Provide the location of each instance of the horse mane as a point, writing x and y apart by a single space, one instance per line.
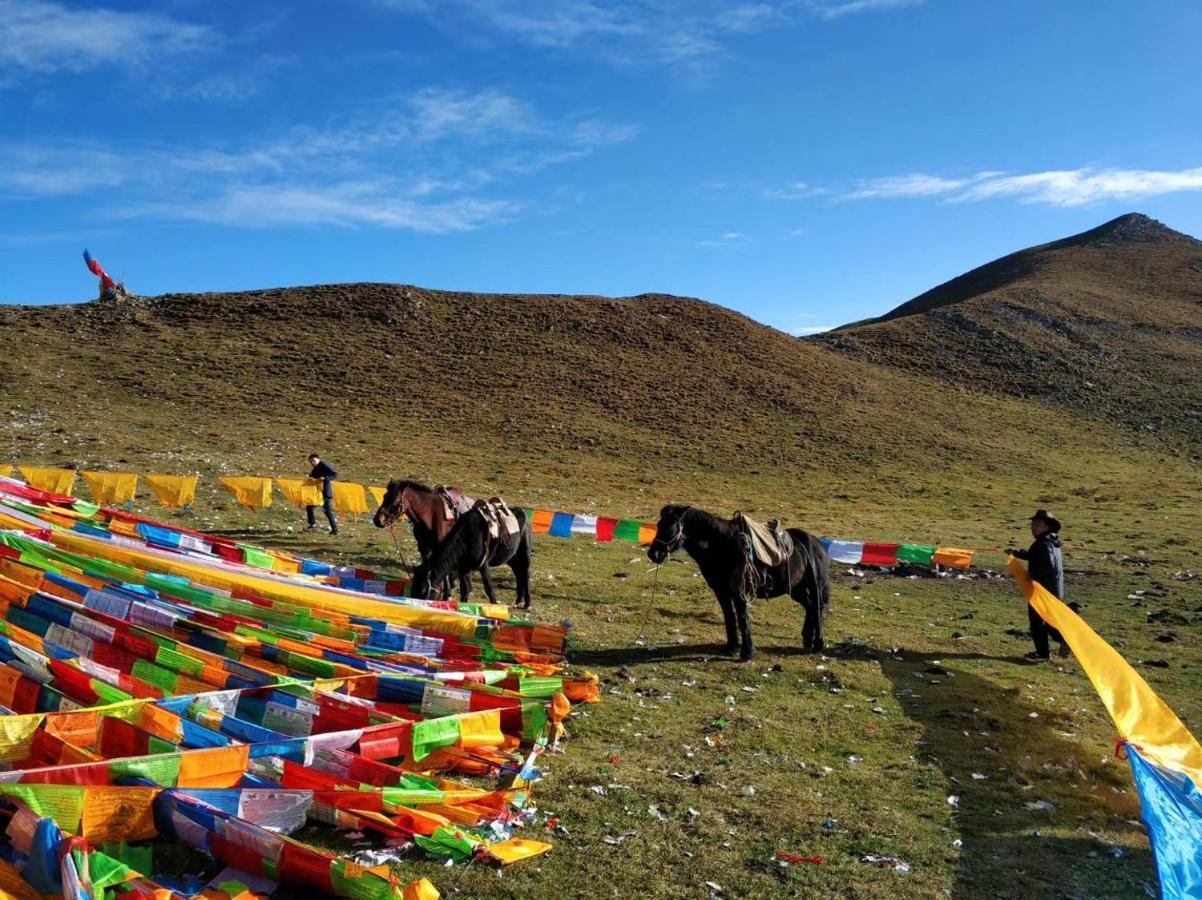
399 484
704 524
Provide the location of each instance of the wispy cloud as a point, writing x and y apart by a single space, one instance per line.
1065 188
726 239
837 9
43 37
416 165
796 190
670 32
805 330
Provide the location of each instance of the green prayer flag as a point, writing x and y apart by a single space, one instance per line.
915 554
363 886
432 734
444 842
627 530
162 770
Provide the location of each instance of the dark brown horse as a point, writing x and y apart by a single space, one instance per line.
722 556
427 513
470 547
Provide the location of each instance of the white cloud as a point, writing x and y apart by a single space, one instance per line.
670 32
837 9
810 329
797 190
42 37
1066 188
436 161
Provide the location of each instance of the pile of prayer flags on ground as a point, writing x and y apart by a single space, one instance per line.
1166 759
163 685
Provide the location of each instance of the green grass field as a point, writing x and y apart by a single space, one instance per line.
697 769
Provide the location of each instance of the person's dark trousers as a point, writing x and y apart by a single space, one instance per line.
1041 631
327 507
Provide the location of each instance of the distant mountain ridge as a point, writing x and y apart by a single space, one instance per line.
1106 323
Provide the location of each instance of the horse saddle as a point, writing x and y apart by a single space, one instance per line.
454 501
768 544
502 523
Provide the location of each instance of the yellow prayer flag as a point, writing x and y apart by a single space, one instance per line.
378 494
421 889
646 533
250 490
481 729
112 488
350 498
119 813
54 481
1141 717
173 491
300 492
516 849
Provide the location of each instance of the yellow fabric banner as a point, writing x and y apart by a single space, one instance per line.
300 492
377 494
112 488
646 533
173 491
1141 717
55 481
251 491
350 498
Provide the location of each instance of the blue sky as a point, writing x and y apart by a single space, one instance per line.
808 162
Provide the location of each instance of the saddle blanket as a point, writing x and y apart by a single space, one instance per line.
502 523
770 544
454 500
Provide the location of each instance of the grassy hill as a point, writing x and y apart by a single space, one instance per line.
918 427
1106 324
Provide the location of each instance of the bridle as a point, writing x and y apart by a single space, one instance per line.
391 515
675 541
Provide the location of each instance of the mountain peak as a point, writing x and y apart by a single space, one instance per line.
1131 228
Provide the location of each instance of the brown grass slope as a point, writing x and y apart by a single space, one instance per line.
545 397
1106 324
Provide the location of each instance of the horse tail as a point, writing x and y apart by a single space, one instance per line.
819 574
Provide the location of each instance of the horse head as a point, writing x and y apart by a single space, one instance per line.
393 506
669 533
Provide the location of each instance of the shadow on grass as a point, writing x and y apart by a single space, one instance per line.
633 656
975 725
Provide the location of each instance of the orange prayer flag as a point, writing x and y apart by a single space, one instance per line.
955 557
218 767
540 521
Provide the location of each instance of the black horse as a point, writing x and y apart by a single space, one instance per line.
469 546
717 546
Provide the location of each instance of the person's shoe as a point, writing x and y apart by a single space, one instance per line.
1065 652
334 532
1036 656
311 528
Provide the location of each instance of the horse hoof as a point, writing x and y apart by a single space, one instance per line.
744 657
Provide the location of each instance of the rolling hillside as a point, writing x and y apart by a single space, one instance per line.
631 401
1106 324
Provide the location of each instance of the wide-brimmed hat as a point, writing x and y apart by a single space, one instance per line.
1043 515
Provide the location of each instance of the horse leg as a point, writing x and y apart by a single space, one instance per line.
746 650
802 595
465 587
486 579
521 575
728 619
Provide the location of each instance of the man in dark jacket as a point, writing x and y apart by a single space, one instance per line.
323 472
1046 567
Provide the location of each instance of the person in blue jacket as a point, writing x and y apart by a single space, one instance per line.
1046 567
324 472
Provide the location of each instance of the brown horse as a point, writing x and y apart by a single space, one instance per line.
427 513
